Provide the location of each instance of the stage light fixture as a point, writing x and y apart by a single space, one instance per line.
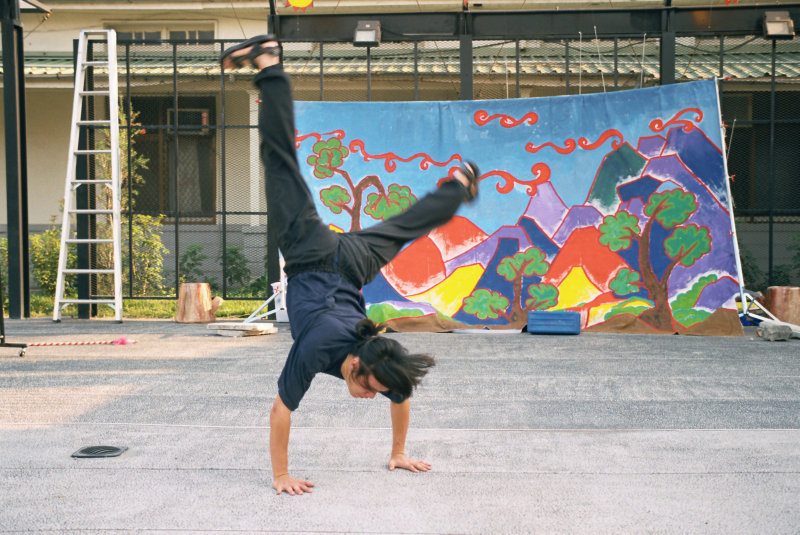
778 25
368 33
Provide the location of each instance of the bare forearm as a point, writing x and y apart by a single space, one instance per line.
280 423
400 418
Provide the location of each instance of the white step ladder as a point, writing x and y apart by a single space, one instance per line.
112 182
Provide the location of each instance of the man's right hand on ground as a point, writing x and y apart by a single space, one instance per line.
286 483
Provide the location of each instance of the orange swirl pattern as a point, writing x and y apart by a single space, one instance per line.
656 125
570 144
584 143
541 174
299 139
482 118
390 158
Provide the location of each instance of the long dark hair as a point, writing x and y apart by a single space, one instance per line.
391 363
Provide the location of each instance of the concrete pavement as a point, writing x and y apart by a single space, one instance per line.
597 433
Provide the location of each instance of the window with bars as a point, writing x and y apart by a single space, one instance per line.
180 178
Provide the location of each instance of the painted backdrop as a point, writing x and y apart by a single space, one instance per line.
615 205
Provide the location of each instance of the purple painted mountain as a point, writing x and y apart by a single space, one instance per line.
718 294
482 254
651 146
642 188
634 207
701 156
546 208
577 217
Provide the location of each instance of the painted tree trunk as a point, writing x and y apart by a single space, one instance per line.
660 316
358 198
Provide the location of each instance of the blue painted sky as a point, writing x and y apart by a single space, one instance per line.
442 129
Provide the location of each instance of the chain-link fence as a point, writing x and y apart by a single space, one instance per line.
193 199
763 136
194 204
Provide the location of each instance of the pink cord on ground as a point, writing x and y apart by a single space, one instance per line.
124 341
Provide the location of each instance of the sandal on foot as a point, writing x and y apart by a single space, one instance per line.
471 171
257 49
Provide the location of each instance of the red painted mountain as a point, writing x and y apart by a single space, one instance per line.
420 265
456 237
583 249
484 253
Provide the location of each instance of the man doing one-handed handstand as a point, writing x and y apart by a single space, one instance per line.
326 271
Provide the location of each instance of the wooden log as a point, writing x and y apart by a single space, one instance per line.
784 303
195 304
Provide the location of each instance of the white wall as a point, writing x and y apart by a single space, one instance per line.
49 100
57 32
48 117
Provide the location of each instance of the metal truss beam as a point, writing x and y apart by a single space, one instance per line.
609 23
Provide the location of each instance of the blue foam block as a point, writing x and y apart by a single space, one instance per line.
554 322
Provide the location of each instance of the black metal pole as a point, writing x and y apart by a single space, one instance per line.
667 49
16 173
416 70
369 75
465 53
772 166
176 182
91 190
16 161
81 194
129 110
566 64
3 342
667 58
517 56
321 71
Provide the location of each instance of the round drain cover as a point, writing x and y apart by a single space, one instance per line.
100 451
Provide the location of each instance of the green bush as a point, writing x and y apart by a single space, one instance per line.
147 263
44 250
754 277
189 263
795 246
237 274
259 286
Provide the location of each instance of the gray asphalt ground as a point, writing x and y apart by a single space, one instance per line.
596 433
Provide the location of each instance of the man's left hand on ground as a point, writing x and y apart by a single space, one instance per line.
413 465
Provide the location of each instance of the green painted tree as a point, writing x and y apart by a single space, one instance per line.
328 158
541 296
684 246
487 304
396 200
625 282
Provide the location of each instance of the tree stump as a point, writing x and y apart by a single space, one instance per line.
195 304
784 303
